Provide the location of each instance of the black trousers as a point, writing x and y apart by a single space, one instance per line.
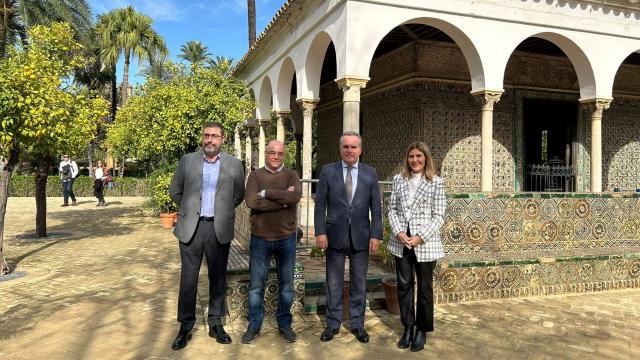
420 315
358 264
204 241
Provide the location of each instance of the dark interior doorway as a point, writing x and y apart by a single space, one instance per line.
549 144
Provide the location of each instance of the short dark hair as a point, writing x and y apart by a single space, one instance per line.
214 124
351 133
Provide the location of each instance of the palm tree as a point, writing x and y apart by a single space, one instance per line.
251 12
17 16
195 52
157 68
128 33
222 64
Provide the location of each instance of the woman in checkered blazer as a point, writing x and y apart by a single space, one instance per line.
416 214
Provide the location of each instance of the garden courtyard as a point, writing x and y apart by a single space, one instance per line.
104 285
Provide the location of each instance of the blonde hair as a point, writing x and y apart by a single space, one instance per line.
429 170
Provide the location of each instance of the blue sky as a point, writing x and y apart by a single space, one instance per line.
219 24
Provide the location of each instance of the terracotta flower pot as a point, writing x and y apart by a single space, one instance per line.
390 287
167 220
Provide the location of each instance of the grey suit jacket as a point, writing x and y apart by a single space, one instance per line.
186 191
335 217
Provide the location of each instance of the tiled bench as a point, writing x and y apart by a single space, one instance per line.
238 287
468 277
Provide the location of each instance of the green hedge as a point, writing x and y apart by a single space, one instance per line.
83 186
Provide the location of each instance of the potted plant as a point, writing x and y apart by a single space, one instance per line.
389 284
162 201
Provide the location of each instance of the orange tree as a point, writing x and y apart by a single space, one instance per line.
42 111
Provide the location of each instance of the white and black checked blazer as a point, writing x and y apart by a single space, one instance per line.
423 217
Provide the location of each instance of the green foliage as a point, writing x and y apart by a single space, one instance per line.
160 198
195 52
37 113
164 119
383 249
22 186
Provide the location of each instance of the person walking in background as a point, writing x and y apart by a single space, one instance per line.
98 184
416 214
272 194
207 186
346 192
68 172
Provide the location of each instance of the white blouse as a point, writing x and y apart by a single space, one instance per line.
414 184
98 173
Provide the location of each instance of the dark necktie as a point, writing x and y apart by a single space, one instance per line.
348 184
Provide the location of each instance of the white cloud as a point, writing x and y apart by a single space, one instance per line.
158 10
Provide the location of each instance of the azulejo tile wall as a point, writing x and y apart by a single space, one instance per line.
509 245
238 295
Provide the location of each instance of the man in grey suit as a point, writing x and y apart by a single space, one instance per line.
207 186
347 191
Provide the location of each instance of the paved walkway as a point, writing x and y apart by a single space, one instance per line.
104 286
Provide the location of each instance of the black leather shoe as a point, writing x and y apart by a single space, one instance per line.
361 335
418 341
181 340
328 333
288 334
221 336
406 338
250 335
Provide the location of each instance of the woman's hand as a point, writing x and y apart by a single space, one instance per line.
414 241
402 238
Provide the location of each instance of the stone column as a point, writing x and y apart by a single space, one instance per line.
280 125
351 102
595 108
307 203
487 99
237 143
248 150
262 123
298 154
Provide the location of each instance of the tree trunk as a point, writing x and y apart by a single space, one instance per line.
90 158
121 169
251 7
41 196
125 82
5 178
114 95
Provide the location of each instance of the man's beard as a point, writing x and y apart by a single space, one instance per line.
211 151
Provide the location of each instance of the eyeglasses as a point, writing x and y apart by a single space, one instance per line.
212 136
273 153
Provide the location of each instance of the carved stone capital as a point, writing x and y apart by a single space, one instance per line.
263 122
595 107
308 105
487 98
283 113
348 82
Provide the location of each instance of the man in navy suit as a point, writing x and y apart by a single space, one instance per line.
347 191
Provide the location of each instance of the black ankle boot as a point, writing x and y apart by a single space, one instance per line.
406 338
418 341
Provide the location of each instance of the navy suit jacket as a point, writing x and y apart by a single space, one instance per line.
334 216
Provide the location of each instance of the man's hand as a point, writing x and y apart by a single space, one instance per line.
373 246
322 242
290 188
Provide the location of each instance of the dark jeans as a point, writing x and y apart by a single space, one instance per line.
422 317
204 241
67 191
284 251
98 190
